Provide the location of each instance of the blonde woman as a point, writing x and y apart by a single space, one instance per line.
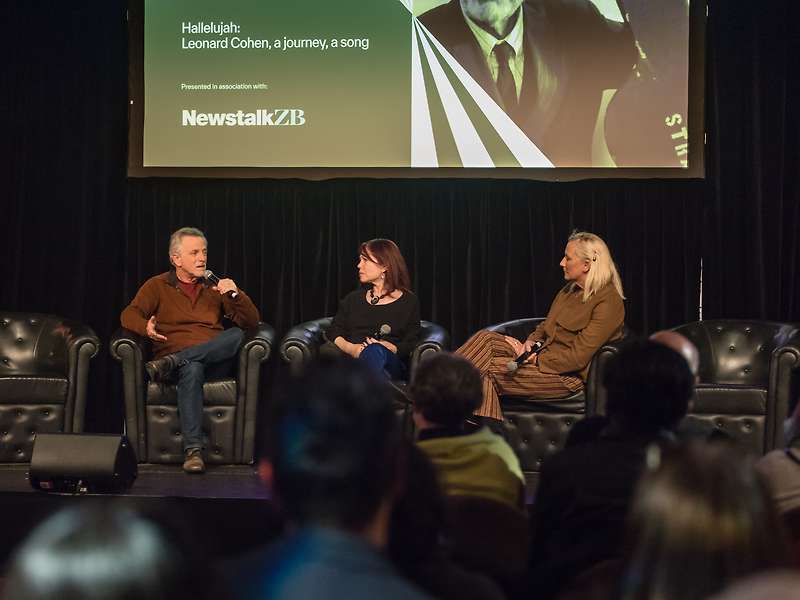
586 313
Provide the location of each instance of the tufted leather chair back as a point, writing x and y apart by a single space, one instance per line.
746 380
32 344
44 369
736 352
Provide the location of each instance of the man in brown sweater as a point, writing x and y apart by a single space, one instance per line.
181 312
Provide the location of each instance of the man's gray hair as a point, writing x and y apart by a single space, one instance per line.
176 238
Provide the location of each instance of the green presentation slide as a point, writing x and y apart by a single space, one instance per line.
404 83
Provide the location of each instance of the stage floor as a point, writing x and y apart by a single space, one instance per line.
227 508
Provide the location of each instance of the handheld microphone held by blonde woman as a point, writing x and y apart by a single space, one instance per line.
513 365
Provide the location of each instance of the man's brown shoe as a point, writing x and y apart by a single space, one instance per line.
194 461
161 368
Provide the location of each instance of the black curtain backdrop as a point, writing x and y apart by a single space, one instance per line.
80 237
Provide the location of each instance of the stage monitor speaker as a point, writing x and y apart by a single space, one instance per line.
82 463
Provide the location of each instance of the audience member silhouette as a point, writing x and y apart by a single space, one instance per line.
104 553
701 518
585 490
418 539
445 391
333 462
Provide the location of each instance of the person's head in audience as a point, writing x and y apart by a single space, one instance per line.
331 453
681 344
649 387
102 553
701 518
445 391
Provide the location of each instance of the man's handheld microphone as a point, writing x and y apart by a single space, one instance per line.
513 365
209 274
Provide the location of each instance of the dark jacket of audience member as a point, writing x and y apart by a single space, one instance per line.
417 537
333 457
702 518
585 490
105 553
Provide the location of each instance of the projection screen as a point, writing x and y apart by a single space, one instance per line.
545 89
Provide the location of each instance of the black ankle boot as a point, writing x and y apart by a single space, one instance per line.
161 368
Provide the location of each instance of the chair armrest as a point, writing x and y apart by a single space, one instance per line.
126 343
81 338
783 383
257 342
517 328
596 395
301 344
130 349
432 338
255 350
82 344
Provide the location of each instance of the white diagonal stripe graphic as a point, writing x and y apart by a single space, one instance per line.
423 145
523 149
468 143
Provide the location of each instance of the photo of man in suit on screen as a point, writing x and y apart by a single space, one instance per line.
552 65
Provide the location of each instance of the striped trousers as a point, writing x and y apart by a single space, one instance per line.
490 353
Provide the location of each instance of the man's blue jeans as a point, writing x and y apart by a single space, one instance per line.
210 360
382 360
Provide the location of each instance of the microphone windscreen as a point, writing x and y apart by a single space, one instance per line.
386 329
209 274
512 366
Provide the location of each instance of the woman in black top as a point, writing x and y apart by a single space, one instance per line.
382 300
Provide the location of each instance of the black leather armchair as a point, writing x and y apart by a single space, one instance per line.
301 344
44 372
538 428
746 380
229 405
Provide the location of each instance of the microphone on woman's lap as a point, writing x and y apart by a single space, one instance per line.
383 330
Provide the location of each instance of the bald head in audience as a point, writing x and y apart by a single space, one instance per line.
680 344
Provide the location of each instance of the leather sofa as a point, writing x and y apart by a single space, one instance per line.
44 373
538 428
229 404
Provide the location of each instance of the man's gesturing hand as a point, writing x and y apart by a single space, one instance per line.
151 330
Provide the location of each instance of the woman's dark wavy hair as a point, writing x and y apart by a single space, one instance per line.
387 254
